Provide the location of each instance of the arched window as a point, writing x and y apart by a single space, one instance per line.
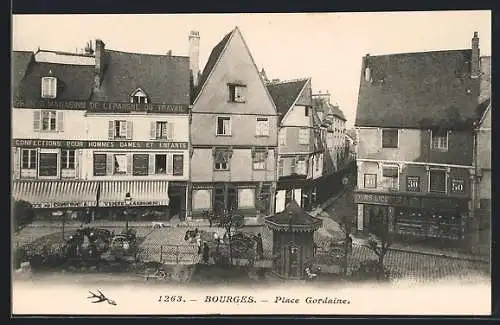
139 96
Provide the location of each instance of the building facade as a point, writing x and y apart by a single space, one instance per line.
334 121
108 130
414 125
482 161
138 131
300 147
50 94
233 133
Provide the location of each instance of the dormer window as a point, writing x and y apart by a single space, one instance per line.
49 87
139 97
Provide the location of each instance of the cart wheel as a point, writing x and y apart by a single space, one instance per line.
162 275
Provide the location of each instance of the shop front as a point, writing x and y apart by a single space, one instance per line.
412 216
249 199
135 200
53 199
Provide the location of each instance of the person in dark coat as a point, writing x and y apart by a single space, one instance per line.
349 244
260 247
206 253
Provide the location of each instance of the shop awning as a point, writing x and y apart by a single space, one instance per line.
56 194
142 193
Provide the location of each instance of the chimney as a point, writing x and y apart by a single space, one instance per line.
368 71
475 70
264 75
194 56
99 63
276 80
169 53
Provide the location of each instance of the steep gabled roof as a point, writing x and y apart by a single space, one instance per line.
164 78
20 63
212 60
418 90
285 94
74 82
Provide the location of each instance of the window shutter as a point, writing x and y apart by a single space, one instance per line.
170 164
130 162
152 130
111 130
60 121
36 120
77 160
17 162
151 168
170 130
229 127
130 130
109 164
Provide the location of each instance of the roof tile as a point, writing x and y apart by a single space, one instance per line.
418 90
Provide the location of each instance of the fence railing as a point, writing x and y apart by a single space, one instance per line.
171 254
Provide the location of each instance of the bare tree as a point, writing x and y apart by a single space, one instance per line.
347 225
231 221
380 242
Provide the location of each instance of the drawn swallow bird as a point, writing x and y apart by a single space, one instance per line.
100 298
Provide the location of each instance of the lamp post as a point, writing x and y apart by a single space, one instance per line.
128 201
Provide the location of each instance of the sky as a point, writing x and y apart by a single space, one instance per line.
328 47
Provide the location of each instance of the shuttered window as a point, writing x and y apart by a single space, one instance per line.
390 177
49 87
120 164
28 160
390 138
161 164
48 164
259 158
262 127
437 181
221 159
99 164
178 165
68 159
303 136
223 125
120 129
140 164
439 140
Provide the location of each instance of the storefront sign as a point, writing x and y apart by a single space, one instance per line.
58 205
130 107
103 107
48 103
131 203
373 198
84 144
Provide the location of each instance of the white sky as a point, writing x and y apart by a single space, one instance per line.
325 46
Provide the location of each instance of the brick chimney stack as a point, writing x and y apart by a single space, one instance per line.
475 68
194 55
99 63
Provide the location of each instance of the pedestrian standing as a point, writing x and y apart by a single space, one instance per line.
198 242
210 220
349 244
206 253
260 247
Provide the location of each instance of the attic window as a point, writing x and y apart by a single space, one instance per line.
139 97
237 93
49 87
